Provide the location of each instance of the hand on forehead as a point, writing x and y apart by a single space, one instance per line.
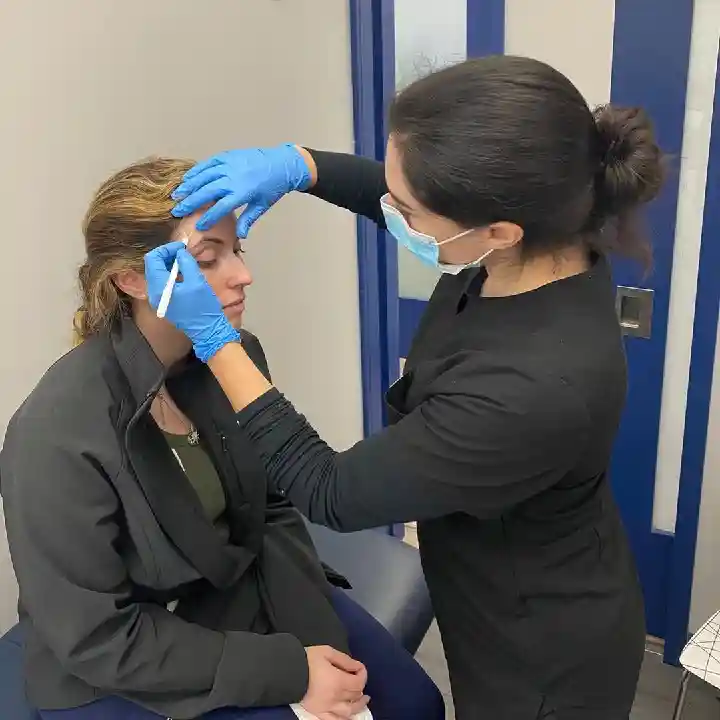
222 232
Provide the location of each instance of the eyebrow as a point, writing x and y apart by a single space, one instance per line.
212 239
201 243
399 203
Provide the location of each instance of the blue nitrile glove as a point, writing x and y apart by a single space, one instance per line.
194 307
256 177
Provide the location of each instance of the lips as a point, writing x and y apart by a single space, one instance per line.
237 305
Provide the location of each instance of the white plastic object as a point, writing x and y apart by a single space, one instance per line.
303 714
169 285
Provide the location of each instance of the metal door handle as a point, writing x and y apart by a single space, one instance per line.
634 308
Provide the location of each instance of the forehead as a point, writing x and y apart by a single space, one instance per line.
395 178
224 229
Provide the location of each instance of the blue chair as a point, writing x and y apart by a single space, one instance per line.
386 577
385 574
13 705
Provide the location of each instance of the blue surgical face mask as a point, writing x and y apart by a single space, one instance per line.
425 247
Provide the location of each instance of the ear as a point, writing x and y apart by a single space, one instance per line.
504 235
132 283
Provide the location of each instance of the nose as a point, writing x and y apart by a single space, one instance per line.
241 275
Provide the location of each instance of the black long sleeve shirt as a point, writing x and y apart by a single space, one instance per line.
503 427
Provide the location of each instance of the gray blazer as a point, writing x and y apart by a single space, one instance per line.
105 531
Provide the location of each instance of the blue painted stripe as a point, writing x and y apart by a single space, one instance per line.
388 250
387 246
650 69
697 413
372 34
368 81
485 27
653 566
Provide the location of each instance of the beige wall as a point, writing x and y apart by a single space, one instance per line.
89 86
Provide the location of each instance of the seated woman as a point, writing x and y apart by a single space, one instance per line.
157 577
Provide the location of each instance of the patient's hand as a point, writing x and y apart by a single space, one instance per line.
336 684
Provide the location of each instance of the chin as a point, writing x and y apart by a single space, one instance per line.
236 321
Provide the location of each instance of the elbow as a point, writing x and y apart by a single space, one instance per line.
333 511
318 482
328 505
321 516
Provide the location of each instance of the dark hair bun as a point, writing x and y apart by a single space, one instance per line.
631 163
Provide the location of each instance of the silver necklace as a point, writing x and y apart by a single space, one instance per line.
193 436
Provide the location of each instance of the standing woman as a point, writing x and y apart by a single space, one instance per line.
498 174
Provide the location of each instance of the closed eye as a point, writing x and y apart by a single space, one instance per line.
208 256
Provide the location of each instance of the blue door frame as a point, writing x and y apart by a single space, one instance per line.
648 69
372 42
697 412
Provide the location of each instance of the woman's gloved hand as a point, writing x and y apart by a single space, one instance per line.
256 178
194 307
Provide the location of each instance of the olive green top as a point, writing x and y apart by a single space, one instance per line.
201 473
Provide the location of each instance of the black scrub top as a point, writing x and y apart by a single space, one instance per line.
503 425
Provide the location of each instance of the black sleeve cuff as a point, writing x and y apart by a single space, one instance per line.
262 670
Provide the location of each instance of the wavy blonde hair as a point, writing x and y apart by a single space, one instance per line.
129 215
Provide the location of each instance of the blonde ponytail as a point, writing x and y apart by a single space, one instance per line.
79 320
129 215
102 302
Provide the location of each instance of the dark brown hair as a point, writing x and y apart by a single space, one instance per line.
505 138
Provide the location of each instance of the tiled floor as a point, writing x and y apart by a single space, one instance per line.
656 692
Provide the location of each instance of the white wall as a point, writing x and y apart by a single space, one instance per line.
90 86
574 37
706 585
693 174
